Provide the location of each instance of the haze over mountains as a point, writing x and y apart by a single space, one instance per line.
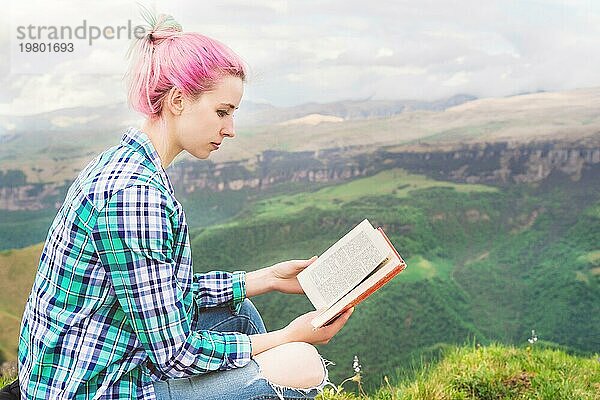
58 140
249 114
50 147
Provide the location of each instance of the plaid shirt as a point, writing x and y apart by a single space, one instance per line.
115 302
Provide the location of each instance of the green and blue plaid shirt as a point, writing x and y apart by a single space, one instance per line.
115 302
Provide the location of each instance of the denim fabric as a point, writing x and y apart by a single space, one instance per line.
236 384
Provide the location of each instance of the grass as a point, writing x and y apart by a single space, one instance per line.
396 182
422 268
5 380
17 272
592 258
593 211
23 228
490 372
464 133
468 274
493 372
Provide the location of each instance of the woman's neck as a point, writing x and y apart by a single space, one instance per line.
162 139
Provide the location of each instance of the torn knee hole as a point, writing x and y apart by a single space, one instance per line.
280 389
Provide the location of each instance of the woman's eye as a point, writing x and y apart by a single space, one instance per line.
222 113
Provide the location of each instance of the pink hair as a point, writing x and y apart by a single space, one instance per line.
166 57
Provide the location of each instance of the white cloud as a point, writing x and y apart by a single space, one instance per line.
384 52
458 79
42 93
301 51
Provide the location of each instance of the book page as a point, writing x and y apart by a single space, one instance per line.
370 284
343 265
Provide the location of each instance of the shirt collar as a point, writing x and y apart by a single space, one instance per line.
139 141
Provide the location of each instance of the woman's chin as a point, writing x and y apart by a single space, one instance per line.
201 155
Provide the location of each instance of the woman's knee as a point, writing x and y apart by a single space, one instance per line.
295 365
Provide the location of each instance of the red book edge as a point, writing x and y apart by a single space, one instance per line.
388 277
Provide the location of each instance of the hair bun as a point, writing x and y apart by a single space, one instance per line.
165 23
159 26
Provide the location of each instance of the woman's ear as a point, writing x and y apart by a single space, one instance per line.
174 101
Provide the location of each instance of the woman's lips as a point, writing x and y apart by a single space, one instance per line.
215 145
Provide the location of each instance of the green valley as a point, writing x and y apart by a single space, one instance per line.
487 263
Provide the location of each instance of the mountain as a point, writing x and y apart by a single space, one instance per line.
570 116
108 117
26 209
346 110
494 204
312 119
47 153
53 146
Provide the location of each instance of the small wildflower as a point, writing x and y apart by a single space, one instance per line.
357 377
533 337
356 365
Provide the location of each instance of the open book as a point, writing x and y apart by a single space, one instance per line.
350 271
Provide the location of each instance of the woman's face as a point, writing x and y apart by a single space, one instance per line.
204 123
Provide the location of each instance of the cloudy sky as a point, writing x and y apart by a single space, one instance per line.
320 51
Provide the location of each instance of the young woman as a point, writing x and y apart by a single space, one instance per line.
116 311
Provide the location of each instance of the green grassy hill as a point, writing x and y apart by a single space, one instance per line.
17 272
484 263
22 228
492 372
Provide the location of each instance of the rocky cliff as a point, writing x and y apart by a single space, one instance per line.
494 163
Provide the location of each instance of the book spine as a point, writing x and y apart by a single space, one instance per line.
378 285
364 295
392 246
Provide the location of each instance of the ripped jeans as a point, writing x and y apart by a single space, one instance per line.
240 383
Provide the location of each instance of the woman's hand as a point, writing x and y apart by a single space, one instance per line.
284 275
300 329
281 277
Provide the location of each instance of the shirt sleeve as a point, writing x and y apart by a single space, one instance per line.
133 237
217 287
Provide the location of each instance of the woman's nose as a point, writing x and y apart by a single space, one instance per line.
228 130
